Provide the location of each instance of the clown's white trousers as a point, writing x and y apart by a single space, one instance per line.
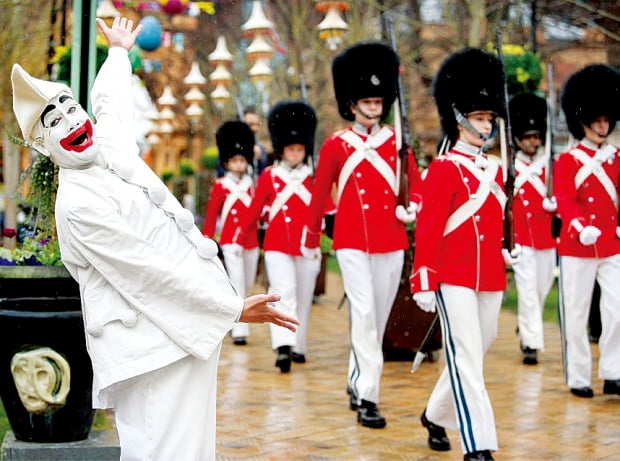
169 413
577 276
294 279
241 270
459 399
371 284
533 278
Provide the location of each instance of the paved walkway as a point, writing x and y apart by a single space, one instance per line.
304 415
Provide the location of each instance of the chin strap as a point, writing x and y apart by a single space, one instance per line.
462 120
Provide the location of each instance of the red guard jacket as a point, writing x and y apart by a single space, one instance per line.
365 171
532 224
284 194
459 230
586 188
230 200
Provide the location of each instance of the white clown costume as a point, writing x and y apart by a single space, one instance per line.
156 300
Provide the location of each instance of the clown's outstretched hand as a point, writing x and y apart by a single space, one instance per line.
121 33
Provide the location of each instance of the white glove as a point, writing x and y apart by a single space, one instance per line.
425 300
311 253
234 249
618 231
589 235
550 204
512 257
407 215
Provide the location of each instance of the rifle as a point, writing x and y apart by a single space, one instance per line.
556 221
550 127
508 151
401 123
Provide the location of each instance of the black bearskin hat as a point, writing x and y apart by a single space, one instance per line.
365 70
235 138
292 122
528 113
470 80
591 92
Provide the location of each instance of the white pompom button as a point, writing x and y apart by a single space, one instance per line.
129 318
206 248
157 193
184 219
94 328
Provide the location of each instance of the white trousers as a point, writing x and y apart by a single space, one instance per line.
577 276
169 413
371 284
533 278
241 270
459 399
294 279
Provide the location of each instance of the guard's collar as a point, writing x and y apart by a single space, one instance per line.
365 131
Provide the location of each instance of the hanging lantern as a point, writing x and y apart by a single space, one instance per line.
324 5
195 77
194 95
259 49
167 98
220 76
194 111
149 39
260 72
257 22
107 10
219 96
221 53
166 114
332 28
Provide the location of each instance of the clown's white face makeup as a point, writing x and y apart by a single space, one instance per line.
68 133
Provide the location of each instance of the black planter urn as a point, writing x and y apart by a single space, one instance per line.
45 371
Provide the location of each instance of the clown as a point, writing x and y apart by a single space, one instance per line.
156 300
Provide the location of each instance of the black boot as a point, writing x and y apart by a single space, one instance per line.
284 359
437 437
530 356
611 386
368 415
483 455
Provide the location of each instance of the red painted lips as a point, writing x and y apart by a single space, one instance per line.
79 139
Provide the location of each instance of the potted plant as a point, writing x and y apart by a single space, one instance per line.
45 371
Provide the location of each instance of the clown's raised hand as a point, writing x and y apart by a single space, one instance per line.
121 33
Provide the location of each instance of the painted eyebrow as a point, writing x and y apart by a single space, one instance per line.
47 109
51 107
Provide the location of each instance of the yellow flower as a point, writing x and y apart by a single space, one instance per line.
516 50
522 75
59 52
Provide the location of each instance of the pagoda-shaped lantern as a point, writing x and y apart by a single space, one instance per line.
259 51
332 28
222 59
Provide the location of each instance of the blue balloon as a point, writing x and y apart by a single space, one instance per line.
150 37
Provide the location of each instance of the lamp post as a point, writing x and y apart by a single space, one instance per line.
332 28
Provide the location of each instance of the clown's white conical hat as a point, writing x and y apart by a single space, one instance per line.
30 96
